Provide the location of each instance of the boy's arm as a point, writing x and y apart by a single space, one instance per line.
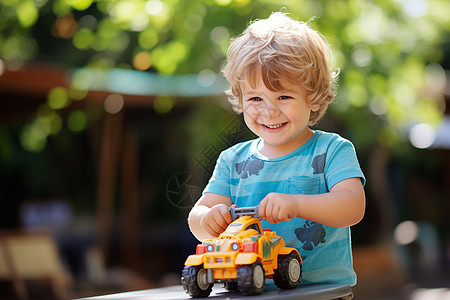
343 206
210 216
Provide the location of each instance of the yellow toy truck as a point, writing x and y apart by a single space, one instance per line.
242 257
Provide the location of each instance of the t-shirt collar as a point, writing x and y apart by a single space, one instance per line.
257 154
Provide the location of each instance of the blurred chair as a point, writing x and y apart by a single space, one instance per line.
419 246
378 268
25 256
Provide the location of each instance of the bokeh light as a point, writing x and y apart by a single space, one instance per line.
435 77
65 26
83 39
33 138
142 61
361 56
406 232
147 39
379 105
206 78
76 94
223 2
220 35
113 103
193 23
77 120
79 4
422 135
166 58
415 8
88 21
82 79
58 98
156 7
163 104
139 22
27 13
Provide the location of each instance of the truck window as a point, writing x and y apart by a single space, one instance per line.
255 227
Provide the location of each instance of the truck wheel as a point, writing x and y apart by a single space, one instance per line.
251 279
231 285
195 281
289 271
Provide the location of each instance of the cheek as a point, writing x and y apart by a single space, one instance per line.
250 112
250 118
296 114
251 123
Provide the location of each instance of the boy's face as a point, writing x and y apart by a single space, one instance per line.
280 118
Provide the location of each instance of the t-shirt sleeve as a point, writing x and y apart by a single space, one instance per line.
219 183
342 163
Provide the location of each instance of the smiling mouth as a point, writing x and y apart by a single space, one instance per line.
275 126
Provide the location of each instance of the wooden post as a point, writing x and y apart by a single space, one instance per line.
107 179
129 202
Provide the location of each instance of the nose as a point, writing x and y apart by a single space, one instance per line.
269 109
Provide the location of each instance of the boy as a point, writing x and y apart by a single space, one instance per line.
308 184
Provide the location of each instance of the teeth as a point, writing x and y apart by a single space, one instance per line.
275 126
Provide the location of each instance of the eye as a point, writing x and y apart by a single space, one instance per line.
285 97
255 99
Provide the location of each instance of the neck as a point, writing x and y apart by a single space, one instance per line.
276 151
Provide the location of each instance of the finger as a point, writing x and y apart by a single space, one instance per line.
226 215
208 224
211 231
210 227
269 212
219 219
276 213
229 218
283 215
262 209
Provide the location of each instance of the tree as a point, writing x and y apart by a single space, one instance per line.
388 51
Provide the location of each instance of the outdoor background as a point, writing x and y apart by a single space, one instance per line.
112 115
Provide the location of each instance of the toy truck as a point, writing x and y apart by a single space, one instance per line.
242 257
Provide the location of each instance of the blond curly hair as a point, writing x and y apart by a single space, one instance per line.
282 49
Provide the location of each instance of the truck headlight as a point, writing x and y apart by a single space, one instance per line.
234 246
210 247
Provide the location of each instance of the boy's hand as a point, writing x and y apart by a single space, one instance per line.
216 220
276 208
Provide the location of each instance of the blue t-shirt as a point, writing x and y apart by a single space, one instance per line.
246 176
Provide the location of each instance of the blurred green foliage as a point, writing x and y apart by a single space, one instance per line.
388 51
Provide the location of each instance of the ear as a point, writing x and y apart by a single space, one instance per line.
314 107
